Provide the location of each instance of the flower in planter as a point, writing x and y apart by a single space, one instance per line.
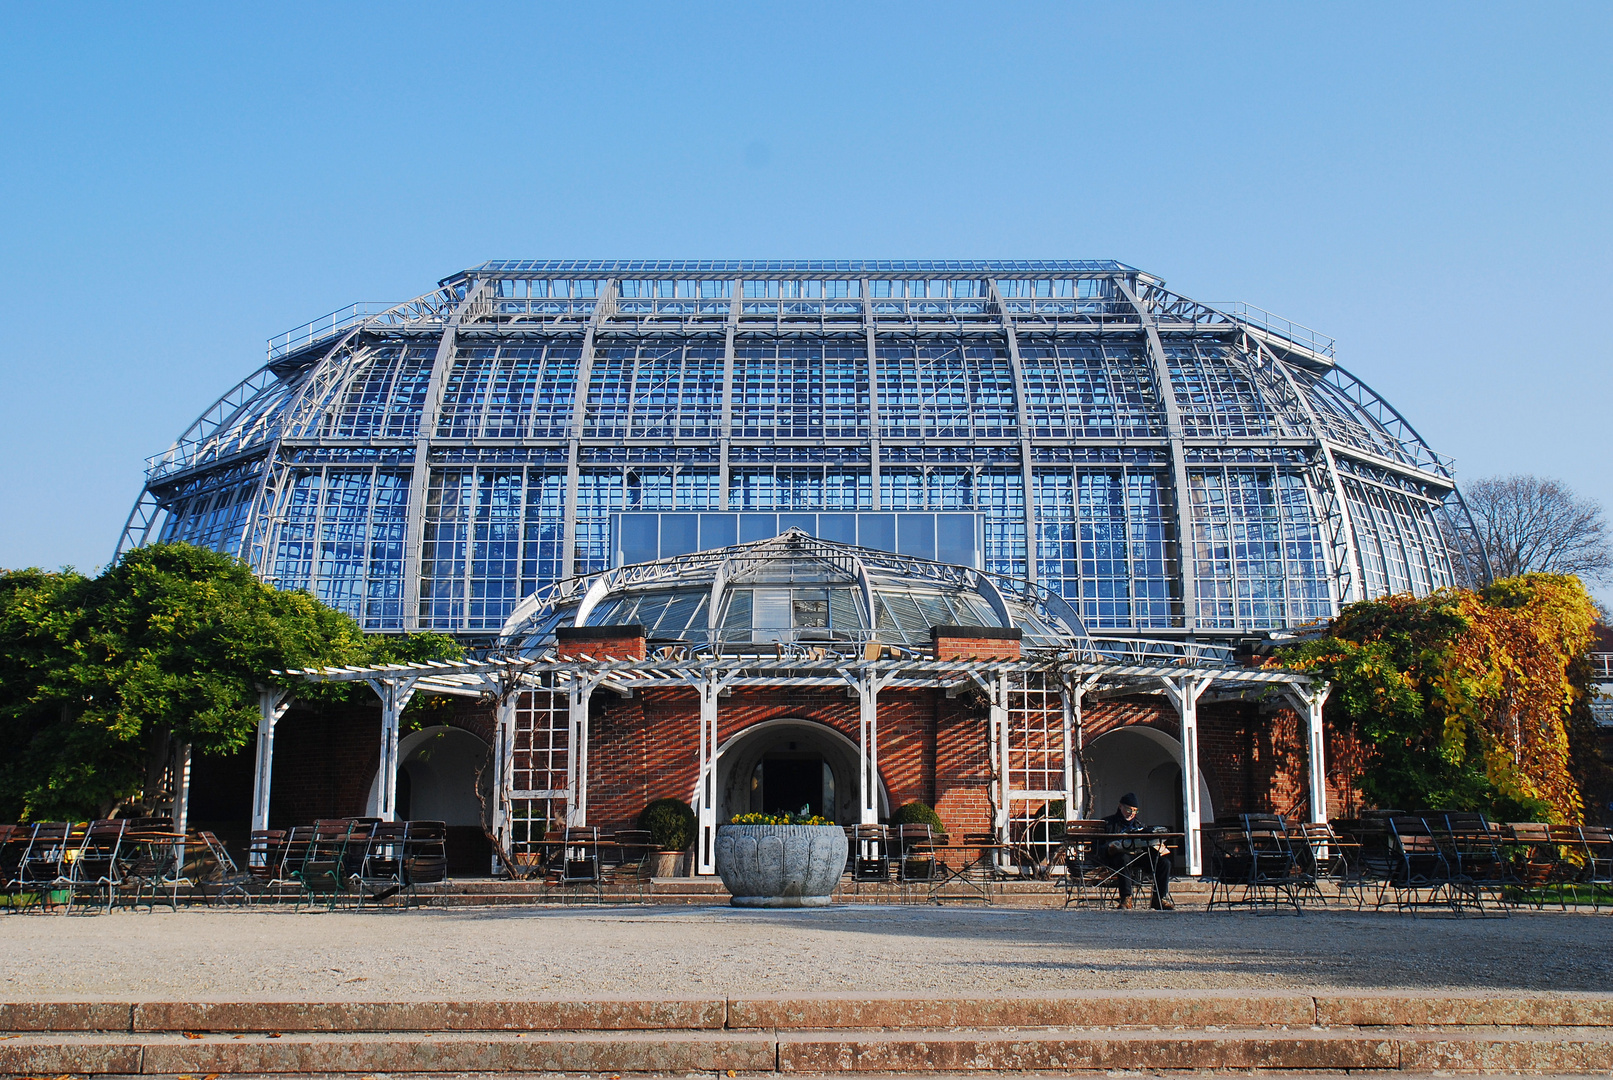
786 818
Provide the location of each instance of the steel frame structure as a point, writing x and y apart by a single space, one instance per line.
1022 748
427 465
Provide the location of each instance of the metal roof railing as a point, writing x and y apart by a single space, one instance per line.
1299 334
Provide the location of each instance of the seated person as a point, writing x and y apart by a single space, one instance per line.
1126 855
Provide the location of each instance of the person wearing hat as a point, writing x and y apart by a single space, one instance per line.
1123 855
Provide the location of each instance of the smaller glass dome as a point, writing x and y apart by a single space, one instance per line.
794 589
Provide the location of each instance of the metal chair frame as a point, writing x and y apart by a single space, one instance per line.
380 860
39 872
95 867
1538 862
1085 868
232 882
322 871
1252 854
13 843
425 856
1420 864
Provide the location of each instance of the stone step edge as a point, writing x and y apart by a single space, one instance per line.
803 1053
1161 1009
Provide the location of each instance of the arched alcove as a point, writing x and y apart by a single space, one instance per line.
791 753
1145 762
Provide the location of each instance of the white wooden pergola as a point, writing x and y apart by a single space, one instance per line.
1041 693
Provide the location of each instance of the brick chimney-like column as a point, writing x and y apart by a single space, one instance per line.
599 642
976 642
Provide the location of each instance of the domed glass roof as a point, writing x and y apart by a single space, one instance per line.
794 589
1169 468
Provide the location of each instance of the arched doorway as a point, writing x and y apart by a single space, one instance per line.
437 769
783 764
1146 762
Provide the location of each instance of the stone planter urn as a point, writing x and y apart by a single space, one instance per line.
780 865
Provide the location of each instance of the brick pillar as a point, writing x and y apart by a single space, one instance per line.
599 642
976 642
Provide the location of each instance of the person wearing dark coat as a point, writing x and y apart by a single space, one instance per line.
1118 853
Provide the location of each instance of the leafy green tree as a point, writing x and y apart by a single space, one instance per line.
99 677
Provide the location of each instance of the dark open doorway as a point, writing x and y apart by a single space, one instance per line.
790 782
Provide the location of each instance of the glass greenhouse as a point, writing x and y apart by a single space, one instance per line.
1164 467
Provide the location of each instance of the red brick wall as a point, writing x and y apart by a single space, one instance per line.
962 648
613 648
646 747
324 762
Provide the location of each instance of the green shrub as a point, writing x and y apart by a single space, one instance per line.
670 822
917 813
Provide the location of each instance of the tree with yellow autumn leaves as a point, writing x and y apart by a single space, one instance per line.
1464 699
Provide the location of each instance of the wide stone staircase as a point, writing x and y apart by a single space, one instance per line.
1155 1032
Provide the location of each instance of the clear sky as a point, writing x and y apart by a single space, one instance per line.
1429 184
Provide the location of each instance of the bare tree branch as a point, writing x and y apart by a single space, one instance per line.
1527 523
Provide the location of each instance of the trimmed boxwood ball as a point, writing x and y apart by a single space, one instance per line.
670 823
917 813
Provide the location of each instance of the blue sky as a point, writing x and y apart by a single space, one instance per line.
1427 183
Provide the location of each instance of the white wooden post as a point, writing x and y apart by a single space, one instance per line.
868 752
272 705
394 692
999 755
1184 694
503 762
1308 702
581 689
710 689
181 809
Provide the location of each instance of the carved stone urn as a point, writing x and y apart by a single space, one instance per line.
780 865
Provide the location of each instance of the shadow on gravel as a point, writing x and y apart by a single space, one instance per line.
1344 950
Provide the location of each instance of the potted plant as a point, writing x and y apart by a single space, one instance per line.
780 860
671 825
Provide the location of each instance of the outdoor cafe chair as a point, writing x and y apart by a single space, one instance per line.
1087 873
228 880
1321 854
322 873
577 864
1539 862
151 860
380 859
425 855
293 852
1570 841
44 869
625 858
912 850
265 855
13 842
870 855
94 866
1420 866
1250 862
1473 851
1598 863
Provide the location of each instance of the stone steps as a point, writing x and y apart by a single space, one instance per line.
819 1035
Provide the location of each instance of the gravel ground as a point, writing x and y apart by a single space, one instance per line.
507 954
